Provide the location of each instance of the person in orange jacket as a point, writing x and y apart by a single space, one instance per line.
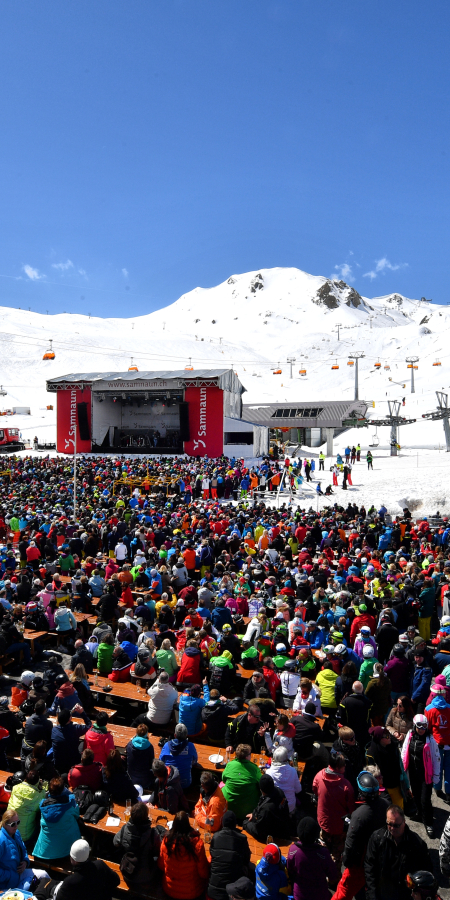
183 861
211 803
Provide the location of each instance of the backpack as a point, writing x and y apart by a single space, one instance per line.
84 797
215 680
130 861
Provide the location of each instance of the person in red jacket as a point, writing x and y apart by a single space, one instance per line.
191 665
362 619
272 679
335 800
99 739
88 772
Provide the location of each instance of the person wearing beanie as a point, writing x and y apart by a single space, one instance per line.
310 867
91 879
270 874
230 858
271 814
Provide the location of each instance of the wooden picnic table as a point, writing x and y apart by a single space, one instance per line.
33 636
125 690
161 817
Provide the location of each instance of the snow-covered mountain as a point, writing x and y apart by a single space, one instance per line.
253 322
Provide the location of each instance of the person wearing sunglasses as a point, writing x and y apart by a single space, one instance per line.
392 852
421 760
15 866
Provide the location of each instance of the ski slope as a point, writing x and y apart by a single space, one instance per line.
252 322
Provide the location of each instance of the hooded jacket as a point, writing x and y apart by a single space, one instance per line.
66 698
221 669
230 856
210 807
162 700
215 715
270 878
169 795
181 754
308 869
140 755
65 740
12 853
438 718
184 876
104 658
25 799
190 710
100 741
142 843
59 826
336 799
270 816
190 669
325 680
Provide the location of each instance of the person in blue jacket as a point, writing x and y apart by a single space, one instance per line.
181 753
271 874
420 681
59 822
221 615
15 867
190 708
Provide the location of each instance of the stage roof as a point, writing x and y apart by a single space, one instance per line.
225 379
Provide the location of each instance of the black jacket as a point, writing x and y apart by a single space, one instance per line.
139 766
92 880
354 711
239 731
230 856
120 787
307 731
142 843
387 864
386 637
270 816
215 716
38 728
84 656
366 819
354 764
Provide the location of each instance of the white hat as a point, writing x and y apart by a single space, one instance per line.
27 677
79 851
280 647
445 620
340 648
368 651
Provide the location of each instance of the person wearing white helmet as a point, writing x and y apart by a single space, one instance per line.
367 665
363 639
422 762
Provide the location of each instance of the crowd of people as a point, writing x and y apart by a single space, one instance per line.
312 646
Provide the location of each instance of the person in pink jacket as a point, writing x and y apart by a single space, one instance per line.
98 739
335 799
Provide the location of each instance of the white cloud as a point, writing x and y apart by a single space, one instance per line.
125 273
33 274
63 266
344 270
381 265
82 271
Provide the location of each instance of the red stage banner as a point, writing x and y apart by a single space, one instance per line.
205 421
67 420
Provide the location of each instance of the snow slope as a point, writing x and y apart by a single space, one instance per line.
253 322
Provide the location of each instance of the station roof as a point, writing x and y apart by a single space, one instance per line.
304 414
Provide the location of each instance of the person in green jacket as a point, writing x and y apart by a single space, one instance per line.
325 681
25 799
281 656
66 562
249 655
241 779
105 655
367 666
167 659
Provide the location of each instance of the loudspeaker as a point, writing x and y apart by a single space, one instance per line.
184 421
83 422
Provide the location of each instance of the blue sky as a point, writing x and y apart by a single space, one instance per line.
150 147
